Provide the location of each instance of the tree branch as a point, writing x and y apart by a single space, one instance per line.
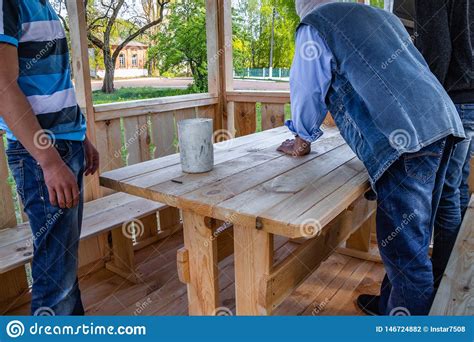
141 30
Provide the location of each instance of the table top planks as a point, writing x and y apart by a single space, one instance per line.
252 182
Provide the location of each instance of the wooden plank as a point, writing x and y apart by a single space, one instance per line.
259 96
118 110
360 240
169 219
210 113
286 187
137 139
109 144
245 118
304 295
16 245
203 288
163 134
372 255
225 241
273 115
456 292
226 189
295 269
82 81
14 290
7 207
123 261
184 114
253 255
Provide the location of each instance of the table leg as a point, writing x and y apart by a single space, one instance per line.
360 240
253 255
201 247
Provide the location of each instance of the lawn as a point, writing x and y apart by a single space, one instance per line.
140 93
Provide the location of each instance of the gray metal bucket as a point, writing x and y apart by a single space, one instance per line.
195 145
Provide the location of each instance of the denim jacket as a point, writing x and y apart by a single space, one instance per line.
383 96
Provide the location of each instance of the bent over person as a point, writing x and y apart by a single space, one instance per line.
47 147
359 63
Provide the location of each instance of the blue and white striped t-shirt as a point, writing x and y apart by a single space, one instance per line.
45 74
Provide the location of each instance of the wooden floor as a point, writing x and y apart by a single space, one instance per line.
331 290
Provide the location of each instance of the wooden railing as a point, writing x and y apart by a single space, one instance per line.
273 109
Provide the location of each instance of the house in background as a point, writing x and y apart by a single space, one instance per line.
130 62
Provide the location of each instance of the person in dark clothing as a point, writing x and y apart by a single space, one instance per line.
445 37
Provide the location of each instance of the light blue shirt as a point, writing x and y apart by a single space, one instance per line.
310 79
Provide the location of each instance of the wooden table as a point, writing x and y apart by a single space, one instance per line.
252 194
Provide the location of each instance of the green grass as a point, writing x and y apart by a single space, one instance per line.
140 93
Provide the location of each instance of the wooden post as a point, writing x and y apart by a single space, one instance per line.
201 272
219 58
80 64
253 255
7 208
360 240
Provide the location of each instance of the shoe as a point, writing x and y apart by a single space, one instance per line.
369 304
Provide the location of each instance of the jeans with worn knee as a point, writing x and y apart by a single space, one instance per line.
408 196
55 231
455 196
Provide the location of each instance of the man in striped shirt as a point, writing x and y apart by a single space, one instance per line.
48 151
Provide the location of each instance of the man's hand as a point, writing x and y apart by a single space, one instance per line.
62 184
296 147
92 158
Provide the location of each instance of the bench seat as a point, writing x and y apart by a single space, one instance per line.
455 296
101 215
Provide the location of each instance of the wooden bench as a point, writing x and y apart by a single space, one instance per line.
455 296
127 217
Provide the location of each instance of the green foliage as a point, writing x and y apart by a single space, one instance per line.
252 30
139 93
181 42
377 3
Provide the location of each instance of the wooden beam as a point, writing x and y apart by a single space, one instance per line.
227 63
7 208
253 263
112 111
295 269
259 96
360 240
14 290
80 63
202 276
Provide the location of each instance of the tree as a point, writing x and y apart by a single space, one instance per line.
252 29
106 17
181 41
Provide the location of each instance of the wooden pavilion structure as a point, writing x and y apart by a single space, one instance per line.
137 274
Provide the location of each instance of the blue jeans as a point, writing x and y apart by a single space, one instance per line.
466 112
455 196
56 232
408 197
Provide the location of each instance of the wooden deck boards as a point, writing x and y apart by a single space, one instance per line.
330 290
